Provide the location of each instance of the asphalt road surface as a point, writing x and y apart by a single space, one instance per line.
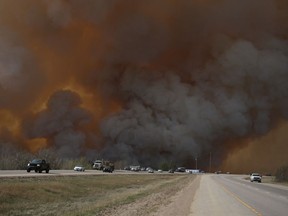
24 173
234 196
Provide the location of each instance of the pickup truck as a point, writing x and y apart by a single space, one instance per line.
255 177
38 165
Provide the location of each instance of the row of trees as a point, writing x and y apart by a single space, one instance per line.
12 158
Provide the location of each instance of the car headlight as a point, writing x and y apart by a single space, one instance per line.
28 164
38 165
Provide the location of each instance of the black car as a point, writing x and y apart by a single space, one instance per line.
38 165
180 169
108 169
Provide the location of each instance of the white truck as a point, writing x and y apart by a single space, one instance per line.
255 177
98 165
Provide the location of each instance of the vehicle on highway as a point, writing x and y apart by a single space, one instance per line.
171 171
255 177
79 168
100 164
150 171
135 168
180 169
97 164
38 165
108 168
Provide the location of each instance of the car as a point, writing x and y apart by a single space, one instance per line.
38 165
171 171
135 168
180 169
79 168
150 171
255 177
108 169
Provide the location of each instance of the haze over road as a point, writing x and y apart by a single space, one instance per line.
232 195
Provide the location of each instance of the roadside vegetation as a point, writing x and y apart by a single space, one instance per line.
282 174
83 195
12 158
16 159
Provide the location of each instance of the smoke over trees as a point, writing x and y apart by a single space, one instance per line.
146 82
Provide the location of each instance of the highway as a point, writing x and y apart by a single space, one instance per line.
24 173
236 196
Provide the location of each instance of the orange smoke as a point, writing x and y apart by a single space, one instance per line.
265 154
153 81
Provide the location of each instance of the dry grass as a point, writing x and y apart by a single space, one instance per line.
79 195
272 180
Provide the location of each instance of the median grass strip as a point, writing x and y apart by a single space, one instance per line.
78 195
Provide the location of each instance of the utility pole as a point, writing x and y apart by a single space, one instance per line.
210 163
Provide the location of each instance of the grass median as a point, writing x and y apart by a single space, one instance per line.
80 195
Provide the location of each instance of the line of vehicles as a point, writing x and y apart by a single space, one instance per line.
40 165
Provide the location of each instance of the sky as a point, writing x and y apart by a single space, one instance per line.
147 82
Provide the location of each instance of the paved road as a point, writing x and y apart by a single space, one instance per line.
24 173
233 195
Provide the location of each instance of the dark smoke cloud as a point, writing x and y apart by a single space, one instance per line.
159 81
60 123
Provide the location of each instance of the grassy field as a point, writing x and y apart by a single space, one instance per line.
80 195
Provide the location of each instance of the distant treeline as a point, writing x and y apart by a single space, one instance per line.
15 159
282 174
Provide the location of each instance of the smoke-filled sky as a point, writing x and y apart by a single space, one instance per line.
145 81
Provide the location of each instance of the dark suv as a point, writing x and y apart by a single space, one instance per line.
180 169
38 165
108 169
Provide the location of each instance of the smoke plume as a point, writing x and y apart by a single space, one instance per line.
143 82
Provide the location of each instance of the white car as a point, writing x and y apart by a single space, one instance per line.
255 177
79 168
150 171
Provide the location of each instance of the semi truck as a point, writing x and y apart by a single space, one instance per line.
104 165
